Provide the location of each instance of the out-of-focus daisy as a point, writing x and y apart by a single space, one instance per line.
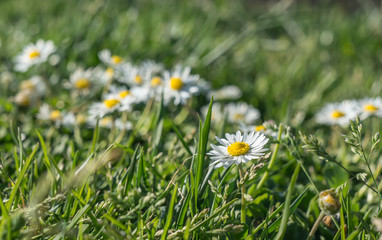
238 148
230 92
179 85
369 107
241 113
110 60
84 80
216 112
127 97
45 113
35 85
105 107
34 54
109 122
71 119
337 113
268 128
25 98
139 75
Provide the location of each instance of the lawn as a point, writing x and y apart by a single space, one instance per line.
190 120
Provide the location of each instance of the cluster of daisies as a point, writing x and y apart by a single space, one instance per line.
119 85
342 112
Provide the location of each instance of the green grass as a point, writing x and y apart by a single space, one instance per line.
153 182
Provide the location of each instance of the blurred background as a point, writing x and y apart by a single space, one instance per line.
288 57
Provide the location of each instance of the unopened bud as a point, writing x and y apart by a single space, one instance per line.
329 202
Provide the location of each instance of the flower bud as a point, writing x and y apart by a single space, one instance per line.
329 202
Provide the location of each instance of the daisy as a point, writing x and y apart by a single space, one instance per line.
109 105
268 128
147 73
125 96
71 119
369 107
242 113
24 98
35 86
238 148
230 92
34 54
337 113
84 80
179 85
45 113
108 122
110 60
216 112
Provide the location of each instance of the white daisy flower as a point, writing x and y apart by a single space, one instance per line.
35 85
84 80
25 98
241 113
337 113
110 60
216 112
34 54
238 148
179 85
109 122
369 107
230 92
45 113
127 97
268 128
109 105
138 75
71 119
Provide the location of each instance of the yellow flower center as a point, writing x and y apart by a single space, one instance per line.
124 93
105 121
138 79
116 59
238 116
370 108
337 114
34 54
259 128
156 81
81 119
82 83
109 103
27 85
176 83
328 199
110 72
238 148
55 115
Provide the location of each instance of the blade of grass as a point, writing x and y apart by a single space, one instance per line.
170 213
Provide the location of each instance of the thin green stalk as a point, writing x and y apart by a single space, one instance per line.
284 220
272 161
315 226
243 202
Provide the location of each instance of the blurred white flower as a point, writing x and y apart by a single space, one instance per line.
35 85
337 113
84 80
230 92
107 106
45 113
369 107
34 54
179 85
110 60
268 128
216 112
238 148
241 113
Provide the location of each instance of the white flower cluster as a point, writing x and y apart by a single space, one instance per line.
342 112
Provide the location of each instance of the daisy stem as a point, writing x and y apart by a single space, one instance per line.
272 161
315 226
243 207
